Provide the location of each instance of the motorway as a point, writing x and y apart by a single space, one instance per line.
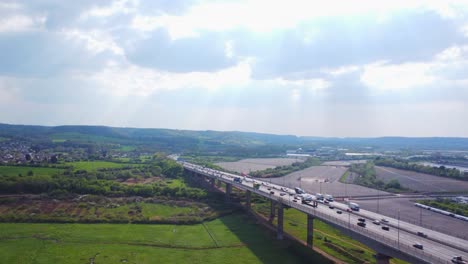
438 247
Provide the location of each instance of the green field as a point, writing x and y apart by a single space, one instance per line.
74 136
23 170
231 239
94 165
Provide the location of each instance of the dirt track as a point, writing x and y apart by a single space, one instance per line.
324 179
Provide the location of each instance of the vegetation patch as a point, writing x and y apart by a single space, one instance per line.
287 169
98 209
447 205
368 177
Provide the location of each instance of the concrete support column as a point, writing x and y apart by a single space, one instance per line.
228 192
218 183
248 197
272 210
382 259
212 181
279 227
310 230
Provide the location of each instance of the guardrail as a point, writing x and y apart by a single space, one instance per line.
389 242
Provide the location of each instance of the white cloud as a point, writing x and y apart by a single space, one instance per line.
119 6
95 41
313 83
16 23
133 80
229 49
341 70
384 76
264 15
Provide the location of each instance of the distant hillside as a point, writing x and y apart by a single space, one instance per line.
396 143
164 139
217 141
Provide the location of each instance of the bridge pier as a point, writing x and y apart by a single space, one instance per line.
212 182
218 183
248 197
272 211
310 230
279 226
228 192
382 258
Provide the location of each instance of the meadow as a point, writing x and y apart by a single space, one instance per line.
229 239
91 166
24 170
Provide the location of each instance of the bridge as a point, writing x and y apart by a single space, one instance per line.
397 242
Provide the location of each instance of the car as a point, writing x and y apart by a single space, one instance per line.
272 192
295 200
339 212
282 194
348 210
331 207
269 189
361 224
421 234
361 220
458 260
386 228
376 222
326 202
383 220
418 246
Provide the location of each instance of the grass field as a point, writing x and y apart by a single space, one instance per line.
231 239
23 170
94 165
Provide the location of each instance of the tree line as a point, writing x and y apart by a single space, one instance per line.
104 182
368 177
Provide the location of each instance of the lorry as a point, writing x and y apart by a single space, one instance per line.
354 206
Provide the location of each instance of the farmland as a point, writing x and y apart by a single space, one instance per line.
248 165
230 239
421 182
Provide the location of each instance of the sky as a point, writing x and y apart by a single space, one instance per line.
309 68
